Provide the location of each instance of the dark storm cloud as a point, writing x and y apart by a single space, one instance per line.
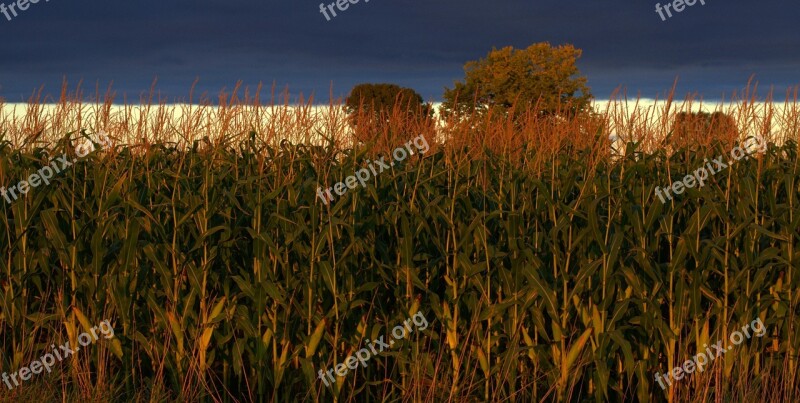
713 48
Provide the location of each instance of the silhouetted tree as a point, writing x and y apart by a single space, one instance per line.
703 128
380 113
381 99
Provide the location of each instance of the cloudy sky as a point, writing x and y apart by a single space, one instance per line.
713 49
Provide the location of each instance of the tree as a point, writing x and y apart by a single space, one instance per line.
541 76
380 100
380 113
703 128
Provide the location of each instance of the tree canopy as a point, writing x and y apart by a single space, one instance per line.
380 99
703 127
541 75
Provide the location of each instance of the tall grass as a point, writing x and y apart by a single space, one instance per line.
535 246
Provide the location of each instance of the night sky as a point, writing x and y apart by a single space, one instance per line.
713 48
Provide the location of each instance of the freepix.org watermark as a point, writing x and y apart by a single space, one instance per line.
363 174
342 5
699 361
10 11
700 175
45 173
364 355
47 361
677 5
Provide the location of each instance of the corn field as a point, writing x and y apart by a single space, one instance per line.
548 270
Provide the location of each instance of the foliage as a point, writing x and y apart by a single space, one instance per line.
375 108
574 283
380 99
540 76
703 128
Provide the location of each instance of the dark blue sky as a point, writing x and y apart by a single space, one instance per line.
713 48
